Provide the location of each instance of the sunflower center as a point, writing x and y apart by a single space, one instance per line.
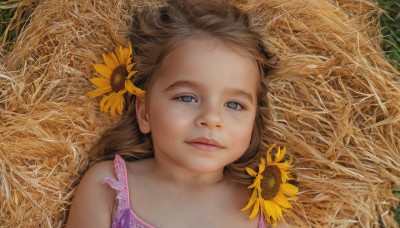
118 77
271 182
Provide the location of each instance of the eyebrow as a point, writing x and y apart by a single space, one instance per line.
191 84
242 93
182 83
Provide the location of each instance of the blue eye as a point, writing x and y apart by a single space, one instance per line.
233 105
187 98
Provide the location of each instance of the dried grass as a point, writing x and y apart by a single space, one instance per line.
334 103
22 10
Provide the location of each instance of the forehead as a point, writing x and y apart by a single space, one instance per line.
204 57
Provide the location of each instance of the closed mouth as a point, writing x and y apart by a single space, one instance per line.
205 143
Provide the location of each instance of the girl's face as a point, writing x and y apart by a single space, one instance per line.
202 106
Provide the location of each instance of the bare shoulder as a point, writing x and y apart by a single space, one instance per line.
93 201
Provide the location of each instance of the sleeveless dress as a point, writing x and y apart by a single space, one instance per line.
124 216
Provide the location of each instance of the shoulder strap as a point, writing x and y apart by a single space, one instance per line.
261 222
121 184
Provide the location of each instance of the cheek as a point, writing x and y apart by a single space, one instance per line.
168 124
241 135
246 134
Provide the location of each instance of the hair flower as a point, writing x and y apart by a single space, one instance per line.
271 192
116 74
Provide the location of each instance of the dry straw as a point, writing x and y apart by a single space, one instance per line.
334 102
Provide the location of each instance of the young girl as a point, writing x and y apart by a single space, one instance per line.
188 140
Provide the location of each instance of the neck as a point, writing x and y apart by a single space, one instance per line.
185 177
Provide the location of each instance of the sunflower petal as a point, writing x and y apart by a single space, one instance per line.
99 91
269 159
128 61
125 54
130 87
266 217
106 106
284 176
129 67
129 50
100 82
110 62
256 208
129 54
251 172
121 56
270 209
118 102
278 211
121 103
290 161
103 70
280 155
114 57
115 107
264 207
284 209
261 166
258 187
283 165
109 102
131 74
263 212
127 58
289 189
256 182
271 147
103 102
281 200
262 204
277 154
118 53
103 106
114 104
251 201
273 223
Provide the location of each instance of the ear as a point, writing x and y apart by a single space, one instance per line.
142 115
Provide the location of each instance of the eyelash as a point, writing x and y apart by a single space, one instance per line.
237 103
182 96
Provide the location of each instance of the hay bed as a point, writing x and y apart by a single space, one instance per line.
334 103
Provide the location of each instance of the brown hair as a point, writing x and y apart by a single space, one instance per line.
154 33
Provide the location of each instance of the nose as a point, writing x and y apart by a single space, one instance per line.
210 116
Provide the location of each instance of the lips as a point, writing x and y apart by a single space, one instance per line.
205 144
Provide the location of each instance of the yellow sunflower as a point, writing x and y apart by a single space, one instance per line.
271 192
116 72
